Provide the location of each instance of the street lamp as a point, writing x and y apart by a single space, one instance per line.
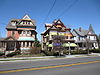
69 48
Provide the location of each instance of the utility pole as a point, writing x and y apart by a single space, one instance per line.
69 49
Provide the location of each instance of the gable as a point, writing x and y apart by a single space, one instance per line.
10 38
26 17
59 22
53 27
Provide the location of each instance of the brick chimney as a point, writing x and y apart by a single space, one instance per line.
80 29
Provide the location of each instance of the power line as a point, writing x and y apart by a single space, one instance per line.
54 2
68 8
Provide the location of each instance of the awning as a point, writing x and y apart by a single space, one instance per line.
50 45
65 45
71 45
47 43
53 33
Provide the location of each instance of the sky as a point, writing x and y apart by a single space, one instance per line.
73 13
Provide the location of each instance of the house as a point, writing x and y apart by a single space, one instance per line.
57 36
85 39
21 34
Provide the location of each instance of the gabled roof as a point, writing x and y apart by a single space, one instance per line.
48 25
26 17
54 26
1 39
10 26
11 38
80 33
59 22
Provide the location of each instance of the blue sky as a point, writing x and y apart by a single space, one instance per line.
73 13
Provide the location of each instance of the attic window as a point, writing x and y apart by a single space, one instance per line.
58 21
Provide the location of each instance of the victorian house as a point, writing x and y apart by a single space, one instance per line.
20 35
56 36
85 39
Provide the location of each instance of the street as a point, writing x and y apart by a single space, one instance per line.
69 66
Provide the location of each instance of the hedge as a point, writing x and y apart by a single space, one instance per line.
95 50
13 54
51 53
79 52
1 53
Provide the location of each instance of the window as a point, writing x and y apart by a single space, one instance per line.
89 37
66 37
13 23
23 22
71 37
28 32
28 22
79 38
23 32
13 33
94 38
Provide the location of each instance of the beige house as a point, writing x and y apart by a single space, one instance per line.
57 36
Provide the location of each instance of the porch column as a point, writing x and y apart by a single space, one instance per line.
5 45
42 42
25 44
22 33
15 46
32 43
82 45
5 48
21 44
29 44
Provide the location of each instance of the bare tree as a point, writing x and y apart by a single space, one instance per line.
87 45
98 40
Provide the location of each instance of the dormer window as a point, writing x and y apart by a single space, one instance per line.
29 23
13 23
23 22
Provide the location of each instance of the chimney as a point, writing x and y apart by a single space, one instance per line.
54 21
80 29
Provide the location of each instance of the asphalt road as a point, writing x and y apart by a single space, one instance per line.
71 66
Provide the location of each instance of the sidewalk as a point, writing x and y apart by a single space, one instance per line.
21 59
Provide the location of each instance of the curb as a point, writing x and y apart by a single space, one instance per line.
4 60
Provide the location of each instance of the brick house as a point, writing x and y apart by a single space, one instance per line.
20 35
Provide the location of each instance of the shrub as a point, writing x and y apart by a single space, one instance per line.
51 53
13 54
95 50
1 53
79 52
65 52
35 50
18 52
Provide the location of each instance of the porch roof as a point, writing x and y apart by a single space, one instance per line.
71 45
26 39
